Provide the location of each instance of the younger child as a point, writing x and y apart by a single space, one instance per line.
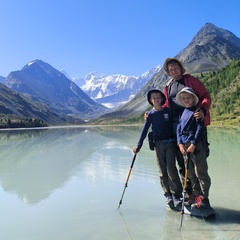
189 140
165 147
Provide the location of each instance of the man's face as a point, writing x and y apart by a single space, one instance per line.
174 70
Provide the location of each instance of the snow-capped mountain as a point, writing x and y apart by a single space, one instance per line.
113 90
99 85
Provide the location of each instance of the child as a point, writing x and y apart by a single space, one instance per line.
165 147
189 140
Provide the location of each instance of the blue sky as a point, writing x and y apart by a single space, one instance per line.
108 36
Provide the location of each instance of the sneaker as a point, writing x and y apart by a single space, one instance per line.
201 202
177 201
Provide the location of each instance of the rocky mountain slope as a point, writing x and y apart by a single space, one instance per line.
211 48
19 106
42 83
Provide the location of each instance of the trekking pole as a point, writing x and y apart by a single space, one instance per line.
186 161
126 184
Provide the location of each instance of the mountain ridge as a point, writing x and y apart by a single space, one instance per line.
210 49
40 82
17 105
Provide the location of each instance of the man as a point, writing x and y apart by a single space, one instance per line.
179 80
174 68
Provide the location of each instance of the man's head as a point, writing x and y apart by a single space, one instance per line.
173 67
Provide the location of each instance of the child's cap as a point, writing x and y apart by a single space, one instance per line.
187 90
156 91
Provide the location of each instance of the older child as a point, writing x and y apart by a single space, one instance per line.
189 140
159 120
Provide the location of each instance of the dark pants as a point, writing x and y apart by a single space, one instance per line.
166 161
198 171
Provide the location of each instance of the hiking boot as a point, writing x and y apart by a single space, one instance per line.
177 201
201 202
169 201
190 200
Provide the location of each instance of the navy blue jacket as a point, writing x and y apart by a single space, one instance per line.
161 126
189 129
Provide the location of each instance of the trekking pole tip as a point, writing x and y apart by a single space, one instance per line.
119 204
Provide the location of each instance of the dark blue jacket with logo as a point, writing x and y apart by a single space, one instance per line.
161 126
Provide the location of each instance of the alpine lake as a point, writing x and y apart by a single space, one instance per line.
65 183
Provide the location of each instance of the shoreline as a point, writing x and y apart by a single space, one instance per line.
213 124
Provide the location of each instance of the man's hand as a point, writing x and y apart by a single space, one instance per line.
199 114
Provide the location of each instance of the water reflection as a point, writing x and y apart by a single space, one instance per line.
74 176
36 162
33 163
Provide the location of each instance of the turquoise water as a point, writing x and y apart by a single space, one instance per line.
66 183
